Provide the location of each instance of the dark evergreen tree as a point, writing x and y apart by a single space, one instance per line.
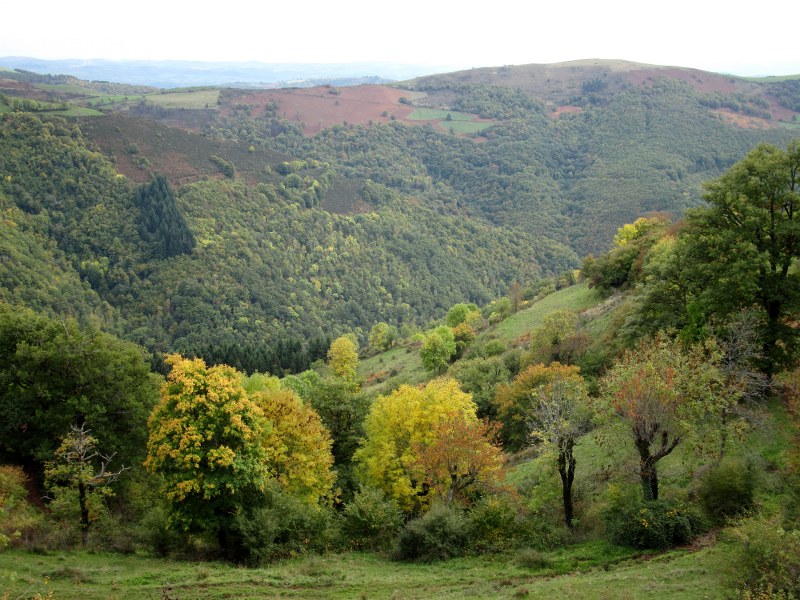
161 224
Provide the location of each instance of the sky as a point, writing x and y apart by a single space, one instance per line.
704 34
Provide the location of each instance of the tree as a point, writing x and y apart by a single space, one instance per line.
382 336
559 415
557 339
78 466
515 401
298 445
438 347
343 357
664 392
55 374
460 313
744 245
397 427
461 453
206 443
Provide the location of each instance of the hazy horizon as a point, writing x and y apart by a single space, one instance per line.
683 33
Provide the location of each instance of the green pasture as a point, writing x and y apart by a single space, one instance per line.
205 98
464 127
577 297
433 114
588 570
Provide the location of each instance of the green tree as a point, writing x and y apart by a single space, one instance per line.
460 313
744 244
205 442
556 338
438 347
54 374
382 336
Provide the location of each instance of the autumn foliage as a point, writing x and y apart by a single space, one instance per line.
423 442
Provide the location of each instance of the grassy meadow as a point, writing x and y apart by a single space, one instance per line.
590 570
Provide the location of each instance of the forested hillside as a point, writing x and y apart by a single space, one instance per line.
259 235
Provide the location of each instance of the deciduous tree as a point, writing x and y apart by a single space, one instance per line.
206 443
559 415
298 445
397 427
745 243
80 467
665 392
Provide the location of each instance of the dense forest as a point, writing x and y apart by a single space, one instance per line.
239 341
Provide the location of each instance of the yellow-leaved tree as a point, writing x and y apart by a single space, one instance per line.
298 445
343 357
205 442
401 452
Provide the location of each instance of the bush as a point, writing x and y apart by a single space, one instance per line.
371 520
495 523
18 519
728 490
282 527
530 558
439 534
767 557
652 524
155 533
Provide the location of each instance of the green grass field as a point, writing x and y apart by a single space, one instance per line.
432 114
464 127
188 99
459 123
577 297
590 570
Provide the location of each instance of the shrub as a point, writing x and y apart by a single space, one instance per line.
371 520
531 558
282 527
767 557
652 524
18 519
495 523
155 532
439 534
728 490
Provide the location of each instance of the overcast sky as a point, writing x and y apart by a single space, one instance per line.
705 34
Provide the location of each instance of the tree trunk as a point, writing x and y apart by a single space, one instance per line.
566 469
649 477
647 470
84 506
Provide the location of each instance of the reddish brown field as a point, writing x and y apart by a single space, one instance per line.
565 110
321 107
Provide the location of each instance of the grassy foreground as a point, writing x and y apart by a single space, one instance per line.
593 570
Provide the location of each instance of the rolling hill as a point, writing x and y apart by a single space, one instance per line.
323 210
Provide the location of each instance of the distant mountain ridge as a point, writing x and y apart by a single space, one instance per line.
178 73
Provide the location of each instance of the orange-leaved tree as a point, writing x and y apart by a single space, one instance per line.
666 391
462 452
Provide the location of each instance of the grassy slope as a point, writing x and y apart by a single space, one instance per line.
576 298
593 570
405 362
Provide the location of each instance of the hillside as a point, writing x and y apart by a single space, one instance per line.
323 210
